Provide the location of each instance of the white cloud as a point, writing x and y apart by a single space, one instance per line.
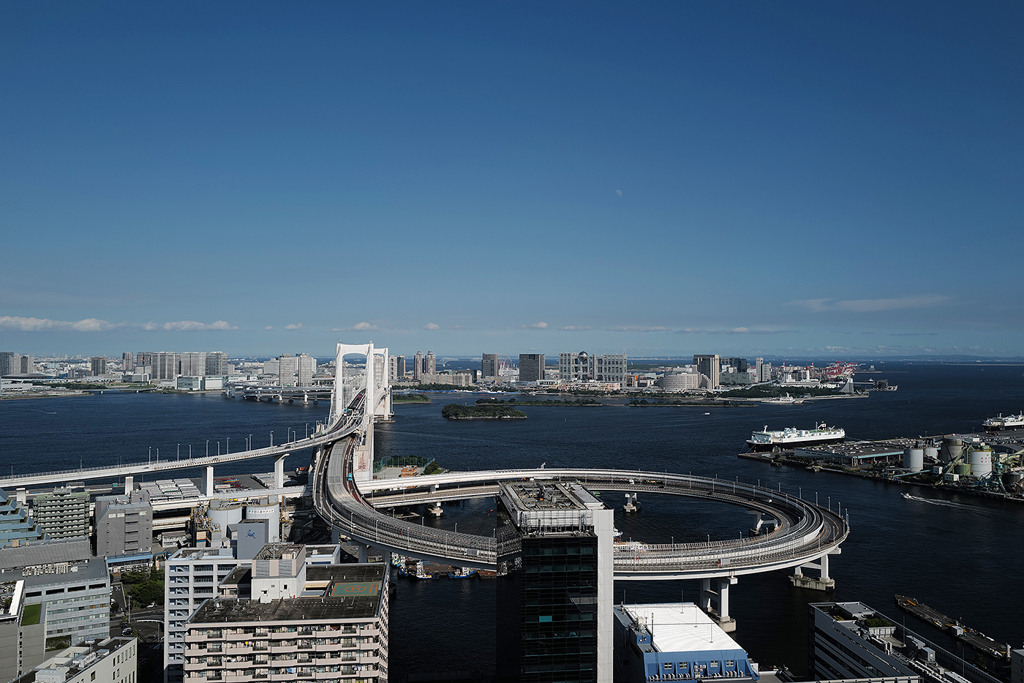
535 326
269 327
637 328
96 325
869 305
363 326
618 193
577 328
293 326
431 326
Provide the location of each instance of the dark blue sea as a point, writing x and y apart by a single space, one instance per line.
958 554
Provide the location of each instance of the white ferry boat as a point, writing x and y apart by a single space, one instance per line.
999 423
791 437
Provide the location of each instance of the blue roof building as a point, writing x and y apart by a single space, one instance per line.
675 642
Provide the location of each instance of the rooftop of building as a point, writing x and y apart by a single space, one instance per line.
678 627
73 660
535 496
202 554
93 569
279 551
336 591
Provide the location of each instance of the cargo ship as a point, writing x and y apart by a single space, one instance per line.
979 641
791 437
999 423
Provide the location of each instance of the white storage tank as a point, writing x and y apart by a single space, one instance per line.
981 462
913 459
931 453
270 510
952 448
225 512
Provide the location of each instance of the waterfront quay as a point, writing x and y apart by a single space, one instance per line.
989 465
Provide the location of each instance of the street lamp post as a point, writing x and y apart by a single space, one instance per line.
227 446
149 460
177 453
207 448
271 439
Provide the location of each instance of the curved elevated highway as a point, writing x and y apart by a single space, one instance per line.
805 532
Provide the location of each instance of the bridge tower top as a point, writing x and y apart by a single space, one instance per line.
376 405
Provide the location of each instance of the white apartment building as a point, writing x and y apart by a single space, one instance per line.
111 660
289 619
191 576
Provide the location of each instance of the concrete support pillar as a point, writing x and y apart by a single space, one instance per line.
435 509
208 481
727 623
335 535
362 552
129 483
706 595
279 470
823 582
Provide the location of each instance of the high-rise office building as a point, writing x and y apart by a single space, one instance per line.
305 368
165 365
287 369
710 366
10 363
216 364
396 368
430 364
574 367
555 599
610 367
28 365
417 365
739 364
531 367
97 366
583 367
193 364
127 361
489 365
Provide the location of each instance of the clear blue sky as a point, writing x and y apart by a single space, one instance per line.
744 178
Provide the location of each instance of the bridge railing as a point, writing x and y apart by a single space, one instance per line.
812 532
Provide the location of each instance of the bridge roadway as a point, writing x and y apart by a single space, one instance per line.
114 472
806 532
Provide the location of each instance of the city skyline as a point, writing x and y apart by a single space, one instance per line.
785 180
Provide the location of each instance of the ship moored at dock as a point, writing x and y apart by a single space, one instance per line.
766 440
1000 423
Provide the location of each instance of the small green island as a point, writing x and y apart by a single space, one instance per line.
454 411
409 398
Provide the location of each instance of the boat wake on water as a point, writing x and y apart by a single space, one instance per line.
941 503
